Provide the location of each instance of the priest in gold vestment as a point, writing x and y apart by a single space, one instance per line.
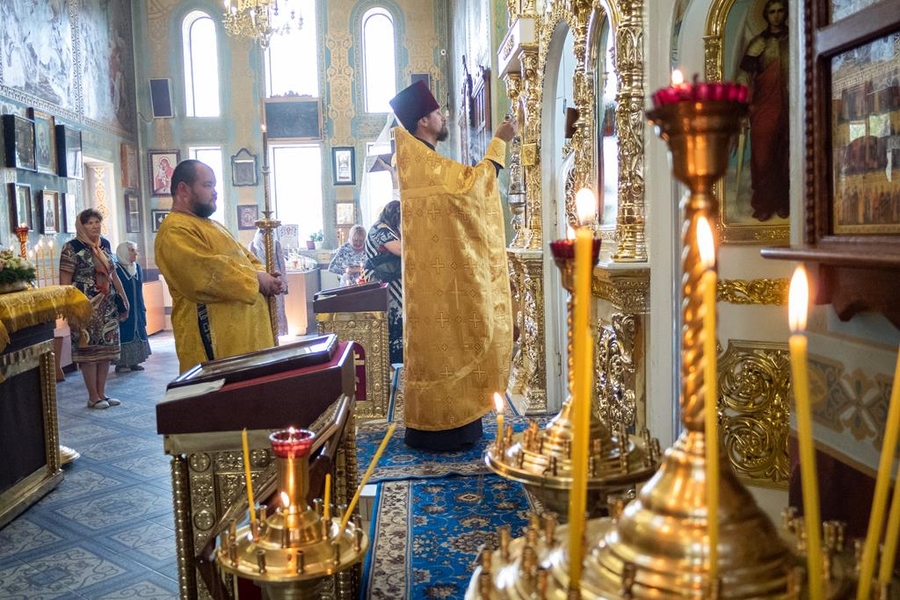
218 287
458 327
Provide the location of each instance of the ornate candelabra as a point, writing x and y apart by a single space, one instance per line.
657 546
290 553
542 458
252 19
268 225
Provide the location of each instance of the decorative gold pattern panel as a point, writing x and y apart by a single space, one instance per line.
369 330
753 291
754 409
615 386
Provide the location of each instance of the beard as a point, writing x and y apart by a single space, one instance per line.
443 134
201 210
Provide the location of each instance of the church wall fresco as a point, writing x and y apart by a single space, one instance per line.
72 60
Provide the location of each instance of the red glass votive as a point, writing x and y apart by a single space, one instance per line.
565 250
292 443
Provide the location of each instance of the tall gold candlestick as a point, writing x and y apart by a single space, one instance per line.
326 500
799 299
268 224
879 502
708 256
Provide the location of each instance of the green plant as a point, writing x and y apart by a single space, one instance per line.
15 268
318 236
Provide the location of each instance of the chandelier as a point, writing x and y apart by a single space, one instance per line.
258 20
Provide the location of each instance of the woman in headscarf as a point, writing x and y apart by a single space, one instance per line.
383 264
258 248
86 262
133 330
349 259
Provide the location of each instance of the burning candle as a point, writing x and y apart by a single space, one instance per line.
39 259
581 390
879 501
498 404
246 448
708 285
365 479
52 265
797 306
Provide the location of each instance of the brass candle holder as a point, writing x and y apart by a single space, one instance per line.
541 459
291 552
657 546
269 225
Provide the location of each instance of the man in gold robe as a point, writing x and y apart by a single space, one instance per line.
218 287
458 328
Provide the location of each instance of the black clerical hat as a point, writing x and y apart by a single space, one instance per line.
413 103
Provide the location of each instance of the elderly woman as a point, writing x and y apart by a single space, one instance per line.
383 264
133 330
350 257
86 263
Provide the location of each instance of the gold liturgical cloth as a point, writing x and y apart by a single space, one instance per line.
32 307
457 326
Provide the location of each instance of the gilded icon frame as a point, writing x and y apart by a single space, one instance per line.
733 231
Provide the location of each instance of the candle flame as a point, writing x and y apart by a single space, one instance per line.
285 501
677 77
585 205
798 300
706 243
263 127
498 403
570 233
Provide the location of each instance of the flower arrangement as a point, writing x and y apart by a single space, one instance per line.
14 268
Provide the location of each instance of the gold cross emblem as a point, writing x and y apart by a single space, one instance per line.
442 320
437 265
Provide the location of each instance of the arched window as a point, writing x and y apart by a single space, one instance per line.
379 65
292 59
201 65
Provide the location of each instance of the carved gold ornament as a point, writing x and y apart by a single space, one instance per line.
753 291
754 409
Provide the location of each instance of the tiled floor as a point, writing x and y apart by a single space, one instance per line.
106 531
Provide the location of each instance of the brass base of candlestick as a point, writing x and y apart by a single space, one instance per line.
541 459
536 565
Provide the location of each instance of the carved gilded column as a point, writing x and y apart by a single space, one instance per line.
531 93
184 546
517 371
629 60
516 195
583 138
621 365
534 332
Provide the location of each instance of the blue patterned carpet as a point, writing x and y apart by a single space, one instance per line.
427 533
106 532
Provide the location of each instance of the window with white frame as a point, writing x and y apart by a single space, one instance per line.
212 157
378 188
379 67
292 58
297 186
201 65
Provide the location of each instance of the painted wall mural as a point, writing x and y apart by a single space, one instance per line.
107 61
71 58
36 50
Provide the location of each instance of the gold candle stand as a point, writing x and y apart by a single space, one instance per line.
541 459
657 546
291 552
268 225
